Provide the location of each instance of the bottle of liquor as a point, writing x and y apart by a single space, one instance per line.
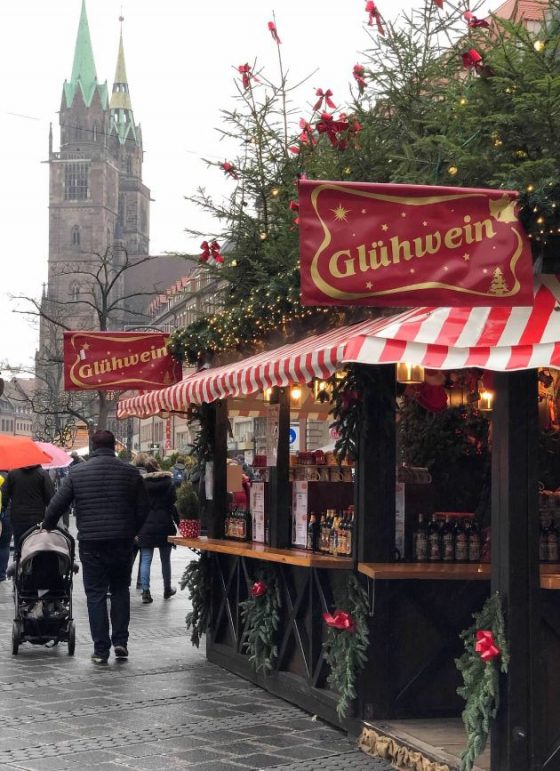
322 528
447 541
341 534
552 542
350 532
434 540
543 538
420 541
461 543
473 543
333 536
311 532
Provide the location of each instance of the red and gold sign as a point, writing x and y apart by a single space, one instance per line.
118 361
369 244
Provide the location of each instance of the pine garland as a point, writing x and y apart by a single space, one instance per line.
196 578
261 615
346 649
481 688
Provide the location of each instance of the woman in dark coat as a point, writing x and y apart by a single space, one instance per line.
159 523
27 492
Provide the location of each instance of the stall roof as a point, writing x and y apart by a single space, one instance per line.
500 339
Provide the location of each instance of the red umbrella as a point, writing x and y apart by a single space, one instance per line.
60 458
20 451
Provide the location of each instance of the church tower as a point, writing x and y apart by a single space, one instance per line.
97 199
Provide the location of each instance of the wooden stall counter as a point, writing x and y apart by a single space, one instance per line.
425 571
298 557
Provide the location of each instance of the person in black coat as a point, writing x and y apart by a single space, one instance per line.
27 492
159 524
110 504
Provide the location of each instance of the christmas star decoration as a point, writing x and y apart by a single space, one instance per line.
340 213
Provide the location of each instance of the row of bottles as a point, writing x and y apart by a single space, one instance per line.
445 541
332 533
238 525
548 540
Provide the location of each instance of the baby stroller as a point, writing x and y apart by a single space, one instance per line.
43 575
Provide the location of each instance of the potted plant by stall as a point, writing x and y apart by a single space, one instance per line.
188 507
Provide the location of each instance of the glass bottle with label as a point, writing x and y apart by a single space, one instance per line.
473 543
461 543
434 540
420 541
447 541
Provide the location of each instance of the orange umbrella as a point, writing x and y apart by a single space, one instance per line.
20 451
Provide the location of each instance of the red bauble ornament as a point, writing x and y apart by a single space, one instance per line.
230 170
472 59
486 645
258 589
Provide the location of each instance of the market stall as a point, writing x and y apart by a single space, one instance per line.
414 612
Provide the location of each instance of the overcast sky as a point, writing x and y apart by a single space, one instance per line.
180 56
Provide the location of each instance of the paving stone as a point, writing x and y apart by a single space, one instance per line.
258 761
200 755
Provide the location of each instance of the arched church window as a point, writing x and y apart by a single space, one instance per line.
129 164
74 292
75 236
95 132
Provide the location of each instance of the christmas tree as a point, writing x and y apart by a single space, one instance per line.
498 285
440 98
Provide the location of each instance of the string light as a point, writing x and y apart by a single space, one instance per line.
538 45
452 171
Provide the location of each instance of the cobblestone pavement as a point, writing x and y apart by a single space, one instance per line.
165 708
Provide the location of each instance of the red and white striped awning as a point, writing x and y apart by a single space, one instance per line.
439 338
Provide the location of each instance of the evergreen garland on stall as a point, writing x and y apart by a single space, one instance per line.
347 643
486 655
197 579
261 615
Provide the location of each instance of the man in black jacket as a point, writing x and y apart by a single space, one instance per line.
110 503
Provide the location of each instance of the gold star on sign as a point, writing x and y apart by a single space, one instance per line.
364 211
425 223
385 228
340 213
369 285
403 214
86 346
466 256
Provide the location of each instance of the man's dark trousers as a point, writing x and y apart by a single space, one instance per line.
107 566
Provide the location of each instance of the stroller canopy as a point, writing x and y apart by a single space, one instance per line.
40 541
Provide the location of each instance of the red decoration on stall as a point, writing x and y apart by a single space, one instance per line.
274 32
374 15
486 645
246 72
473 22
358 72
472 59
340 620
230 170
324 96
258 589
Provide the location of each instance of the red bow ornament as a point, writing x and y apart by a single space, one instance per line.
374 15
258 589
211 251
331 127
358 72
274 32
246 73
205 256
486 645
324 96
340 620
473 22
230 170
306 137
472 59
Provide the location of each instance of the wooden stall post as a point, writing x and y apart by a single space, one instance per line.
516 735
218 506
279 488
376 472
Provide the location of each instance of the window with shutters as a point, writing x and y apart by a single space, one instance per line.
76 181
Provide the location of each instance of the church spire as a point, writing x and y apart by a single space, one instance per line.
84 74
122 116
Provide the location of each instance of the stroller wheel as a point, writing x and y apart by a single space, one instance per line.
71 638
16 637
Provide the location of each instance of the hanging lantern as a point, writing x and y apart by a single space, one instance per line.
409 373
295 397
486 401
322 391
456 397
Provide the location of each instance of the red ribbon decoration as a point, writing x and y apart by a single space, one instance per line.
306 137
473 22
258 589
210 251
358 72
331 127
230 170
472 59
246 73
340 620
324 96
486 645
374 15
274 32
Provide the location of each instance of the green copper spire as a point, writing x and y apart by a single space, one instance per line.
84 74
122 117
